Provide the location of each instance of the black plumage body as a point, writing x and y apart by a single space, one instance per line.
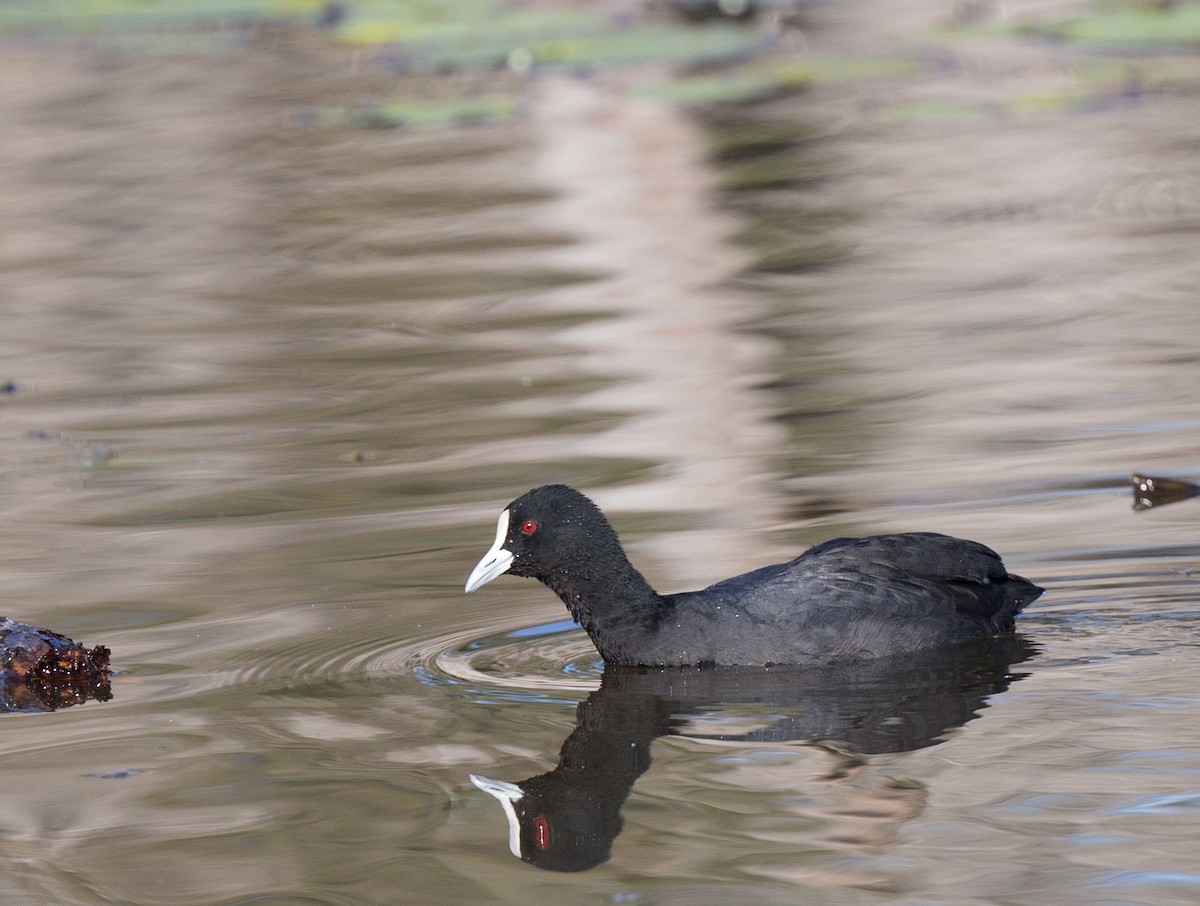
843 600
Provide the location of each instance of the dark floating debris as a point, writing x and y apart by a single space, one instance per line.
1149 491
43 671
122 774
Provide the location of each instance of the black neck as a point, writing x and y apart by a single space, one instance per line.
608 597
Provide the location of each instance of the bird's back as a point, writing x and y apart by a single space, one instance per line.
852 598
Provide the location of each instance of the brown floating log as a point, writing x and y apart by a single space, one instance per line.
41 670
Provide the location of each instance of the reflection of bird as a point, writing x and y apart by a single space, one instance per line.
846 599
568 818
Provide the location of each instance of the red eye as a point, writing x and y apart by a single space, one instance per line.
528 527
541 832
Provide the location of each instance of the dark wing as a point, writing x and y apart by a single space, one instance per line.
973 574
925 554
880 594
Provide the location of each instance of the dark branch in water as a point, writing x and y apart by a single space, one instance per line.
1149 491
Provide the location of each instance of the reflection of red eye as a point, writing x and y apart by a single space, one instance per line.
541 832
529 527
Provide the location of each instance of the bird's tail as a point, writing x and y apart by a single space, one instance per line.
1019 593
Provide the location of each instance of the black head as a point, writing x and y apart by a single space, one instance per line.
550 532
558 536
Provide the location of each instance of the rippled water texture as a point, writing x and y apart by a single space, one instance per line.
274 377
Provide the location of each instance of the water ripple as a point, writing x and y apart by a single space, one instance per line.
548 661
549 656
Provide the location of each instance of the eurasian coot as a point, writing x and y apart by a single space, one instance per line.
845 599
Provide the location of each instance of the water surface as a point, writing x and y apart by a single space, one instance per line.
274 379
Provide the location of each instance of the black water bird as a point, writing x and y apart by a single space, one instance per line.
844 600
